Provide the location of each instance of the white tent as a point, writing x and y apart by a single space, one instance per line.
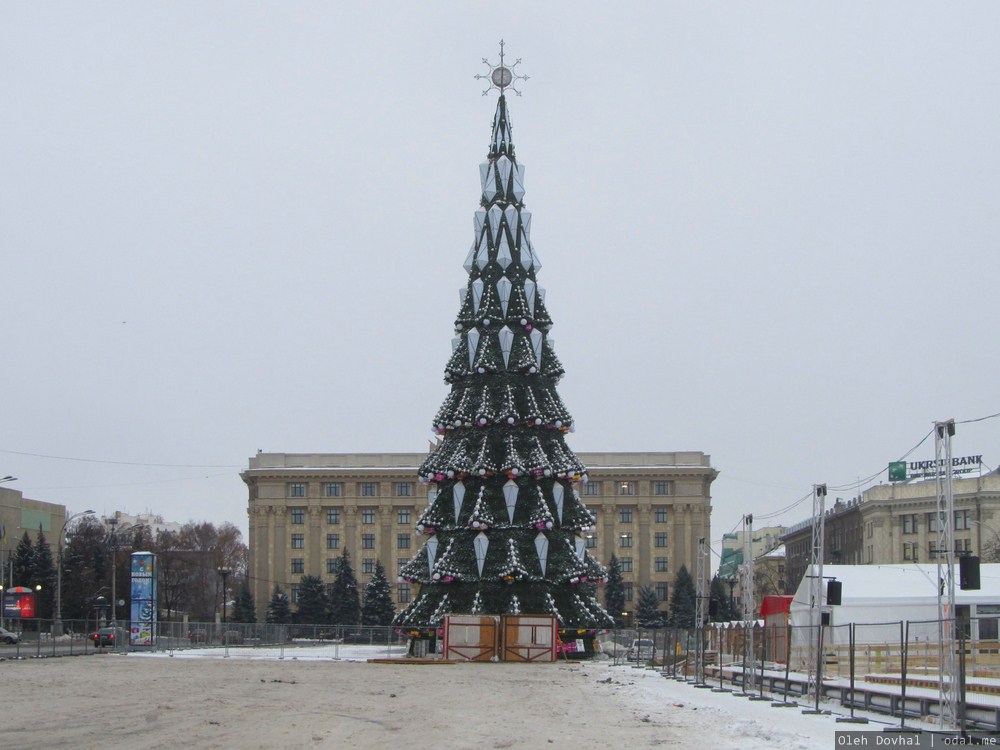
878 597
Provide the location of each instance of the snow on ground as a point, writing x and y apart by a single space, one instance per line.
327 696
721 720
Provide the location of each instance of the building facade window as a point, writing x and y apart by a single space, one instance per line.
910 523
625 540
298 516
333 516
626 488
932 521
963 520
368 515
626 564
293 593
399 565
404 489
592 489
911 551
963 546
298 565
660 514
332 489
369 489
660 565
332 565
402 541
590 541
296 489
625 515
403 516
367 541
660 539
403 593
627 590
662 591
298 541
661 487
333 541
368 566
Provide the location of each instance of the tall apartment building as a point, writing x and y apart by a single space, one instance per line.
897 523
305 509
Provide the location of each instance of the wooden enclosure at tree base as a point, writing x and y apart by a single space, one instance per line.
525 638
471 637
528 638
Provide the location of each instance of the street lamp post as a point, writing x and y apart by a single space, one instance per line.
57 625
224 572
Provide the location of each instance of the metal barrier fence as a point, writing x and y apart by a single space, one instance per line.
41 638
895 668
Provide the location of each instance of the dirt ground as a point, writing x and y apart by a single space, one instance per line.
117 701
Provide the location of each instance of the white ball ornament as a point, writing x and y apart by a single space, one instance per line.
558 423
548 472
458 422
510 420
482 472
538 421
482 421
524 321
436 576
475 524
451 473
486 321
532 369
481 370
548 524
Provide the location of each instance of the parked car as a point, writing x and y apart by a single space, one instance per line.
7 636
103 637
640 650
233 637
198 636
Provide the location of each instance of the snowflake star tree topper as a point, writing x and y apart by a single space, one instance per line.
501 75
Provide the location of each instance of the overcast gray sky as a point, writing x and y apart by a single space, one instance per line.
768 232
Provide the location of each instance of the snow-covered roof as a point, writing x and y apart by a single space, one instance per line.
888 585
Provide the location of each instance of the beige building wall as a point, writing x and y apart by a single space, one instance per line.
19 514
305 509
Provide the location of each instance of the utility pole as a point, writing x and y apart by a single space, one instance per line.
947 622
816 594
749 607
699 611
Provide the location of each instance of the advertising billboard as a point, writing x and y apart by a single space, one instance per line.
142 627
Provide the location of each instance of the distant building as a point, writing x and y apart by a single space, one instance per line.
896 523
305 509
151 521
769 562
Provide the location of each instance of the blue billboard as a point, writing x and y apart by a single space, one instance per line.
142 628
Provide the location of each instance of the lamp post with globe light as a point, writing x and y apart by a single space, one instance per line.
57 625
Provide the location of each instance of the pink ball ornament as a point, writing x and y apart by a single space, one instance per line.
438 477
528 327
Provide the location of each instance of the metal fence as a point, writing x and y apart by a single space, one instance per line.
40 638
894 668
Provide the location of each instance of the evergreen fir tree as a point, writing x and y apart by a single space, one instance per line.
504 522
313 601
378 608
44 574
23 562
614 591
243 606
345 607
647 610
682 600
718 592
278 610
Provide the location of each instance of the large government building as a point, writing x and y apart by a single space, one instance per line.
897 523
305 509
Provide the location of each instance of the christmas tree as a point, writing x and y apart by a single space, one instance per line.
504 521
